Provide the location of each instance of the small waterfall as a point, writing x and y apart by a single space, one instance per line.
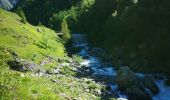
79 40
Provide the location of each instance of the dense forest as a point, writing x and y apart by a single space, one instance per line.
36 48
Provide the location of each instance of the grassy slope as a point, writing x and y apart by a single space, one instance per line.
28 43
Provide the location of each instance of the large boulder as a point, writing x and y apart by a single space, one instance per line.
137 93
136 87
125 78
149 83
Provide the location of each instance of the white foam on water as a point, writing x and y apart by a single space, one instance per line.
85 63
140 74
122 96
104 71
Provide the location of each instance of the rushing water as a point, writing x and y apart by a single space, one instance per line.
102 68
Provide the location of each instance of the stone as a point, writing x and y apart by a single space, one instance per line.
22 75
22 65
54 80
149 83
39 30
136 93
125 78
65 64
55 71
98 92
40 74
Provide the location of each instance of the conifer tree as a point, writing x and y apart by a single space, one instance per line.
65 30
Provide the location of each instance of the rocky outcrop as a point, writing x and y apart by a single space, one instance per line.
8 4
125 78
150 84
23 65
137 93
136 87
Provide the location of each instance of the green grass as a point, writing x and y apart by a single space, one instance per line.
77 58
35 44
22 38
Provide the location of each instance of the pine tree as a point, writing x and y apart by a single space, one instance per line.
65 30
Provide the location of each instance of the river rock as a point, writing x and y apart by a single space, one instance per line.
136 93
134 85
149 83
125 78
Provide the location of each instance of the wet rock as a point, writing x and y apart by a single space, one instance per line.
136 86
86 57
125 78
108 87
158 76
135 93
149 83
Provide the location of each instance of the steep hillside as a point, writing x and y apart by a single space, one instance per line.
34 64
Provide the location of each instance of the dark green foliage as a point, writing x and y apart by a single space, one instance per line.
138 32
72 15
20 12
41 10
57 19
65 30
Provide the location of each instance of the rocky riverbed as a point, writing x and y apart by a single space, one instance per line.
124 84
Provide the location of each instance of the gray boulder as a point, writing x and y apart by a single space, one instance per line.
136 93
149 83
125 78
134 85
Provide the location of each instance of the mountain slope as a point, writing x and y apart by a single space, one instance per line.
30 57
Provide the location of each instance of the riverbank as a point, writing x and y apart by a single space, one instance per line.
103 70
